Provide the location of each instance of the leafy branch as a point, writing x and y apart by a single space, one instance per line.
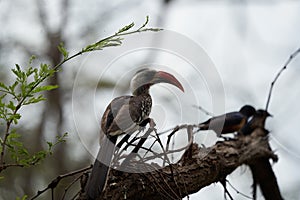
27 89
116 39
23 91
20 154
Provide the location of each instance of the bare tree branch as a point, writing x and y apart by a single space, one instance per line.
292 56
198 167
55 181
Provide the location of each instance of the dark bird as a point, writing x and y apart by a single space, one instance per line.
229 122
262 172
124 115
264 176
258 121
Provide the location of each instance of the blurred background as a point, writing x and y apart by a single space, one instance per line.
247 41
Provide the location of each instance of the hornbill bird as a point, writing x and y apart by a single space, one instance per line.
124 115
229 122
262 172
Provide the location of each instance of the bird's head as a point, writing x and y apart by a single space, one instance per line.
247 110
145 78
260 117
263 113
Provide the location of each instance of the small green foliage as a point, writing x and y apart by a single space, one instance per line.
103 44
20 154
22 198
145 23
33 100
63 50
59 139
24 90
126 28
116 39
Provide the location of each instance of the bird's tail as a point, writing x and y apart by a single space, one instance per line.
97 178
264 176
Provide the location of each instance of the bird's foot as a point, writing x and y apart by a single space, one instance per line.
144 123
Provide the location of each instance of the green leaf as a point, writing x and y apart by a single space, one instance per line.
16 118
63 50
31 71
44 88
33 100
32 58
22 198
146 22
45 71
108 42
2 85
13 86
126 28
113 42
11 106
12 140
13 135
50 144
23 151
17 71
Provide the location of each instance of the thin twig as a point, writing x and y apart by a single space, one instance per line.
70 185
176 150
149 149
175 129
223 182
55 182
204 110
292 56
237 191
166 158
162 191
10 165
155 155
75 196
138 146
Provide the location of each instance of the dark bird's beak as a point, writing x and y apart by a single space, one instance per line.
263 113
268 114
164 77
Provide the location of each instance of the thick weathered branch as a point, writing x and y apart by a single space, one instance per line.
198 167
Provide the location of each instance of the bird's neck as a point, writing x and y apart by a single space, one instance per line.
145 103
143 90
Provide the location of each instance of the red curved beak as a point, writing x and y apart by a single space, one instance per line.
164 77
